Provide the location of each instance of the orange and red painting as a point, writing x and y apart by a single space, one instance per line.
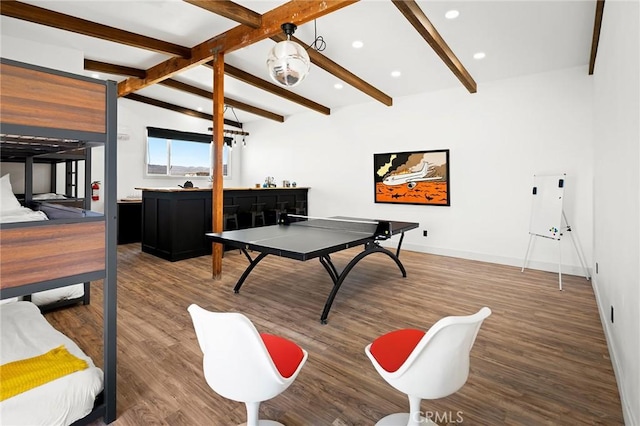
418 177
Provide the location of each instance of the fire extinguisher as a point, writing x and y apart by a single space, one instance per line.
95 190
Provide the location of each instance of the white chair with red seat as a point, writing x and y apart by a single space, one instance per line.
243 365
427 365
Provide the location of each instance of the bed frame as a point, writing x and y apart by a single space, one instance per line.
71 161
45 113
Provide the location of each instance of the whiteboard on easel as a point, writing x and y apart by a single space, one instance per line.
546 210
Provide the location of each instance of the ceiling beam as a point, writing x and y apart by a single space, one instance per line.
230 10
596 35
274 89
97 66
176 108
61 21
178 85
343 74
297 12
135 72
417 18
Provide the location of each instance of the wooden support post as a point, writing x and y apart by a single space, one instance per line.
218 142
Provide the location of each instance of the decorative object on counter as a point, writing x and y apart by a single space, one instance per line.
269 182
286 184
187 184
293 184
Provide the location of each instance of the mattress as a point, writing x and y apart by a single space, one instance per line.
48 196
25 333
42 298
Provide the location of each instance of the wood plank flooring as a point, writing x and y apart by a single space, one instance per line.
539 359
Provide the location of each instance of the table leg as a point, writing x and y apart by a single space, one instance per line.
245 274
338 279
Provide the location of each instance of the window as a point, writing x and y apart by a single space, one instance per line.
183 154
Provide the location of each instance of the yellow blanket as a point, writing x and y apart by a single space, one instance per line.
20 376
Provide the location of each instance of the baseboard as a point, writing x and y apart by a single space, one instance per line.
501 260
627 412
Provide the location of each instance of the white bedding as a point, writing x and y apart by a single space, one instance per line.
62 293
48 196
21 214
25 333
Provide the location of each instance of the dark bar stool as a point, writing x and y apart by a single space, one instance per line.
281 207
230 214
301 208
257 212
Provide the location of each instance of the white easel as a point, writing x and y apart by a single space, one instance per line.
576 245
548 219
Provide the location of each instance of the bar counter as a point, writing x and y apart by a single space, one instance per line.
175 220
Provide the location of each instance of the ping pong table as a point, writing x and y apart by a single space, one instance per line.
303 238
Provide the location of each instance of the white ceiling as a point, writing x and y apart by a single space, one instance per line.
519 37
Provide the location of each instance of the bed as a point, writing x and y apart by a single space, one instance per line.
25 333
46 114
12 211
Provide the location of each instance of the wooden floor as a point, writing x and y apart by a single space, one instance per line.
539 359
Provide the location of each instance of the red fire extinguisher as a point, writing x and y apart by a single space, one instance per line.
95 190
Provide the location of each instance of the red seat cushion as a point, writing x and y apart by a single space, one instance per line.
391 350
285 354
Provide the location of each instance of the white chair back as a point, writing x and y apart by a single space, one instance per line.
236 363
439 365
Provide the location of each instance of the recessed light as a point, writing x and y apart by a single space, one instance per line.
199 109
396 74
338 86
452 14
95 75
357 44
479 55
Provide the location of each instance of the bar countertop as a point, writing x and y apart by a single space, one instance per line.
197 189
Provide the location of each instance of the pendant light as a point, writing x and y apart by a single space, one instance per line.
288 62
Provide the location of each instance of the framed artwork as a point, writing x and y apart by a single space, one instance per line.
415 177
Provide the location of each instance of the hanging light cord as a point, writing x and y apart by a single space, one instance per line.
318 43
234 114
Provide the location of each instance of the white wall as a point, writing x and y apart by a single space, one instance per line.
499 138
617 194
133 120
55 57
41 177
62 59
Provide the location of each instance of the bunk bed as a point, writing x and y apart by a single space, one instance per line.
72 161
45 112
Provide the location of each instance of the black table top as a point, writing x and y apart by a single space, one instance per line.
302 240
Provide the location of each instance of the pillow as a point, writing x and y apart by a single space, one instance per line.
8 201
48 196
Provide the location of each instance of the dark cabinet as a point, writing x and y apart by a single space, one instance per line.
129 222
175 221
174 224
